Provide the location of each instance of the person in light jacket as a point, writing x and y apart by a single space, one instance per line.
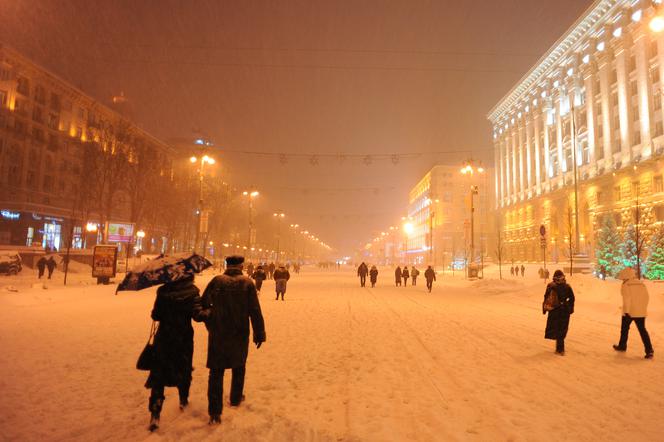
635 308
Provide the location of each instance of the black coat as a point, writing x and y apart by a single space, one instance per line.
557 322
232 300
362 270
373 274
176 305
430 275
405 274
397 274
281 274
259 275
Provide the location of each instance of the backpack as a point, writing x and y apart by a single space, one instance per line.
551 300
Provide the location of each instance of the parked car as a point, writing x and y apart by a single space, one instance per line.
10 262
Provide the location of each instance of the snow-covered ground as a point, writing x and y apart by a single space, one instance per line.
467 362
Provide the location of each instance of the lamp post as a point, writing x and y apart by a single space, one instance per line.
430 201
279 216
294 238
470 169
202 161
251 194
408 229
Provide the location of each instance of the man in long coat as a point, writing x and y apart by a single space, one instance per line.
362 272
232 300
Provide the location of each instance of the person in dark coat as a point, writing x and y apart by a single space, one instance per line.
281 277
362 272
414 273
259 276
270 270
430 276
373 276
250 269
559 302
41 266
405 275
50 264
233 303
397 276
177 303
523 271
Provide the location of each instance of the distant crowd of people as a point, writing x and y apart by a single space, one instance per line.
399 274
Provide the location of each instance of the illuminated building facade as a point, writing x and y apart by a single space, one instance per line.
588 116
45 126
439 212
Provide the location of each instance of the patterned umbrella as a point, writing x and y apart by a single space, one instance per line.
162 270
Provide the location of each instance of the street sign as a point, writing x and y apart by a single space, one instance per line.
104 259
542 230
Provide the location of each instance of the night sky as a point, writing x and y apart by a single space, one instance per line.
303 77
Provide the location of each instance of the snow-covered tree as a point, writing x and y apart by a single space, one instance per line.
656 256
608 247
629 247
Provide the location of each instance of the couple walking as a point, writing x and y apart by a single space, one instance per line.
228 304
559 304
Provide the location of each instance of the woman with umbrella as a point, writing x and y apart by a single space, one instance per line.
177 303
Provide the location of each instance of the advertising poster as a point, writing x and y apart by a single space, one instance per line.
120 232
104 259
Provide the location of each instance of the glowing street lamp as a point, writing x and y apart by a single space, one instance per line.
205 159
251 194
657 24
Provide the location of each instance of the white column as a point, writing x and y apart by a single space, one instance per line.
508 164
589 83
515 189
644 86
559 135
496 172
624 106
604 64
520 129
537 121
529 158
547 147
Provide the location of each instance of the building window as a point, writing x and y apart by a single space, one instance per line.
657 99
23 86
55 102
617 194
659 129
635 189
632 63
637 137
49 184
40 94
657 184
633 88
599 198
654 75
653 49
3 98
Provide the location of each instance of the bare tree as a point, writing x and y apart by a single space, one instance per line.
500 250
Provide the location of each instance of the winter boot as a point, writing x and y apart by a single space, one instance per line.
183 404
154 422
617 347
236 404
215 419
650 355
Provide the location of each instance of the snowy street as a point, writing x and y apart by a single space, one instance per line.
467 362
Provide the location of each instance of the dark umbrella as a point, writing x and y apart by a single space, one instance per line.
162 270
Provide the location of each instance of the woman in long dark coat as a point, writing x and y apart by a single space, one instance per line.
373 276
397 276
559 302
258 276
177 303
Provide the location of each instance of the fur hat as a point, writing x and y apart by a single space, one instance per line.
234 260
